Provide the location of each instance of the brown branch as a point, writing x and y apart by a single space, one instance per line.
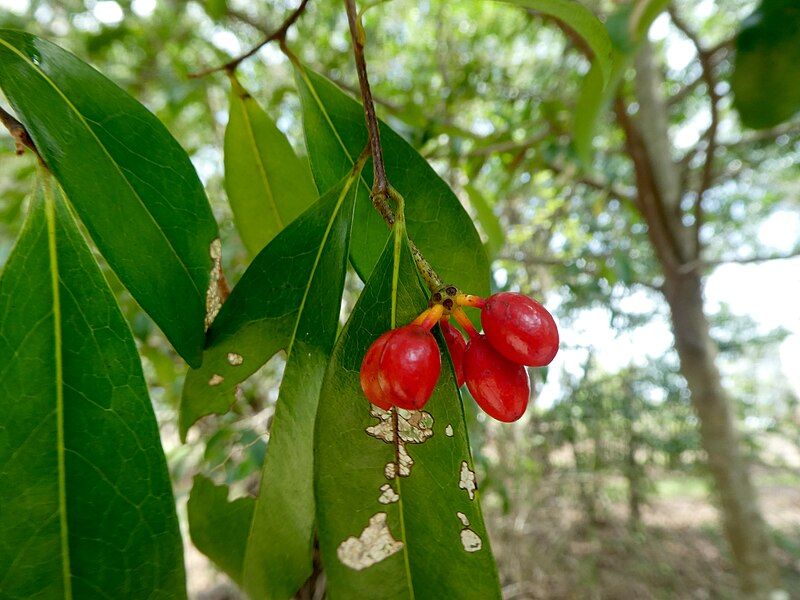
279 35
380 185
648 199
22 138
381 190
707 66
595 183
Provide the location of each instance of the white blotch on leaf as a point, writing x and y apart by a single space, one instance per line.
388 495
413 426
213 296
373 545
235 359
469 539
448 431
216 379
467 480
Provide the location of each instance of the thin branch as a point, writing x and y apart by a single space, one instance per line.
22 138
380 185
381 190
595 183
707 66
705 264
278 35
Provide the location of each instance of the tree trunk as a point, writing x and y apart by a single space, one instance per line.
744 527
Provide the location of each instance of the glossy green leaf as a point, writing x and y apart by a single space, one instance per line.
288 299
219 528
129 181
766 77
87 507
440 227
420 534
582 21
268 186
495 235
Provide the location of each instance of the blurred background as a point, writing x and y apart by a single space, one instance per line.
618 483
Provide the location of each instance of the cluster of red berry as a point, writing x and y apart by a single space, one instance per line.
402 366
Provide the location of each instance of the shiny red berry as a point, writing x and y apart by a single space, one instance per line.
401 368
499 386
456 344
520 329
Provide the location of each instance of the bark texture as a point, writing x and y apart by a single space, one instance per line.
658 200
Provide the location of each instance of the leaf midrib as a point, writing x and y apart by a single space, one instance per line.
83 120
399 236
50 217
325 236
329 121
251 136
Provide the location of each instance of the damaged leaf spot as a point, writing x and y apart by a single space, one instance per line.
235 359
213 294
216 379
467 480
373 545
413 426
448 431
470 540
388 495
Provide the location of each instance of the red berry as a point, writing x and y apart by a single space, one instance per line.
520 329
499 386
401 368
456 344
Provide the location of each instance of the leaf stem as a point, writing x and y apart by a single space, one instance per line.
279 35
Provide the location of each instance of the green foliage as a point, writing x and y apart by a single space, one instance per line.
127 178
440 227
87 504
389 530
220 528
267 185
766 78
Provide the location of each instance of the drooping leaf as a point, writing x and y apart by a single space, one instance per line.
219 528
87 507
766 76
582 21
389 531
627 27
129 181
440 227
268 186
495 236
288 299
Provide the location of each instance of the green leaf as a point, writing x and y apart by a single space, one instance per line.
495 236
440 227
766 77
407 536
582 21
627 27
289 298
219 528
129 181
87 507
268 186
